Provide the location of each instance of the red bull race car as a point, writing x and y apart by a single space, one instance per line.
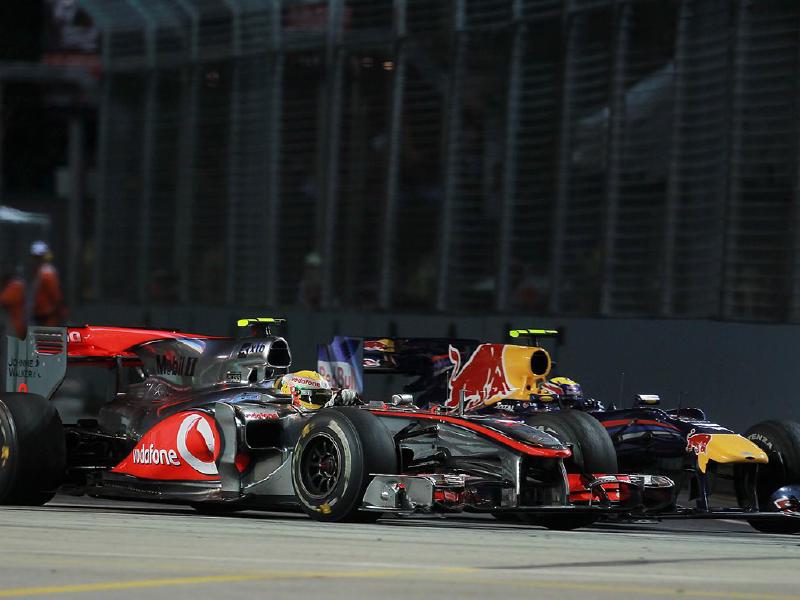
513 381
222 425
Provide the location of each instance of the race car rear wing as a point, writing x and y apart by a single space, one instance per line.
37 364
345 360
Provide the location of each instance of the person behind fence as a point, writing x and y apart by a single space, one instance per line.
45 302
12 301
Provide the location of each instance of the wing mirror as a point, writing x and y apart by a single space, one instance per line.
647 400
402 400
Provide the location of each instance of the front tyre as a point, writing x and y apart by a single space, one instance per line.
781 441
32 450
338 451
592 448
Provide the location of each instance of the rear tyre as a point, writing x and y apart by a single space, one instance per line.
338 450
592 452
32 450
781 441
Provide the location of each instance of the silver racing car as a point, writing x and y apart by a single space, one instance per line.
221 424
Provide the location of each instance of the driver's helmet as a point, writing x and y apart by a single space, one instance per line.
568 390
787 499
309 390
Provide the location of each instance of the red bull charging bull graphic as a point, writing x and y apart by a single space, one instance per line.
482 377
697 442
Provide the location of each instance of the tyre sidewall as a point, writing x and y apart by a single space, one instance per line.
597 449
781 442
9 451
340 501
36 459
592 449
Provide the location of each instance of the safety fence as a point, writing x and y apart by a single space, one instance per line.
572 157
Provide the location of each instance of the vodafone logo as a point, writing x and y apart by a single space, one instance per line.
182 447
196 444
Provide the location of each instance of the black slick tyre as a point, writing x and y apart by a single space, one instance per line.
32 450
781 441
338 450
592 448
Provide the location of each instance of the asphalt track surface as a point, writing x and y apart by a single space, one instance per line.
85 548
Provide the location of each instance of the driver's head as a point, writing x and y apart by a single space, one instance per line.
570 391
309 390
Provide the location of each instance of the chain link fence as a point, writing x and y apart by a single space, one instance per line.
563 157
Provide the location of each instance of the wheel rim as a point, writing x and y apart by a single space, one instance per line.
320 468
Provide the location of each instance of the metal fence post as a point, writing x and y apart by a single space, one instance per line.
564 149
731 200
335 56
273 153
148 153
232 207
1 155
506 230
77 167
234 140
2 131
667 269
102 169
794 309
613 151
393 168
452 132
187 147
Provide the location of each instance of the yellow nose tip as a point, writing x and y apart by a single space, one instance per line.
731 448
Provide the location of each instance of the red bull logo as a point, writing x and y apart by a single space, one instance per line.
381 345
697 442
482 378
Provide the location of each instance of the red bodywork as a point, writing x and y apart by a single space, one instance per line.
697 442
482 377
100 343
483 430
580 493
183 447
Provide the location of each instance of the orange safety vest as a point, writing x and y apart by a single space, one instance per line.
48 301
12 299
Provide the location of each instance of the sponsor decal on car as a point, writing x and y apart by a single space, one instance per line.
262 416
181 447
248 349
381 345
183 366
24 367
155 456
482 377
697 442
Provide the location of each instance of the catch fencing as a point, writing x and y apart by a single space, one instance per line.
561 157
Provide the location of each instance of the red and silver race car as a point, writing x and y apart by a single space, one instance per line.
210 422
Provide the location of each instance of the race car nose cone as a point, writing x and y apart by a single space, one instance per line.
726 448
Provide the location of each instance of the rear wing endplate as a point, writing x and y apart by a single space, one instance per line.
37 364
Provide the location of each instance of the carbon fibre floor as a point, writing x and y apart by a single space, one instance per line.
84 548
